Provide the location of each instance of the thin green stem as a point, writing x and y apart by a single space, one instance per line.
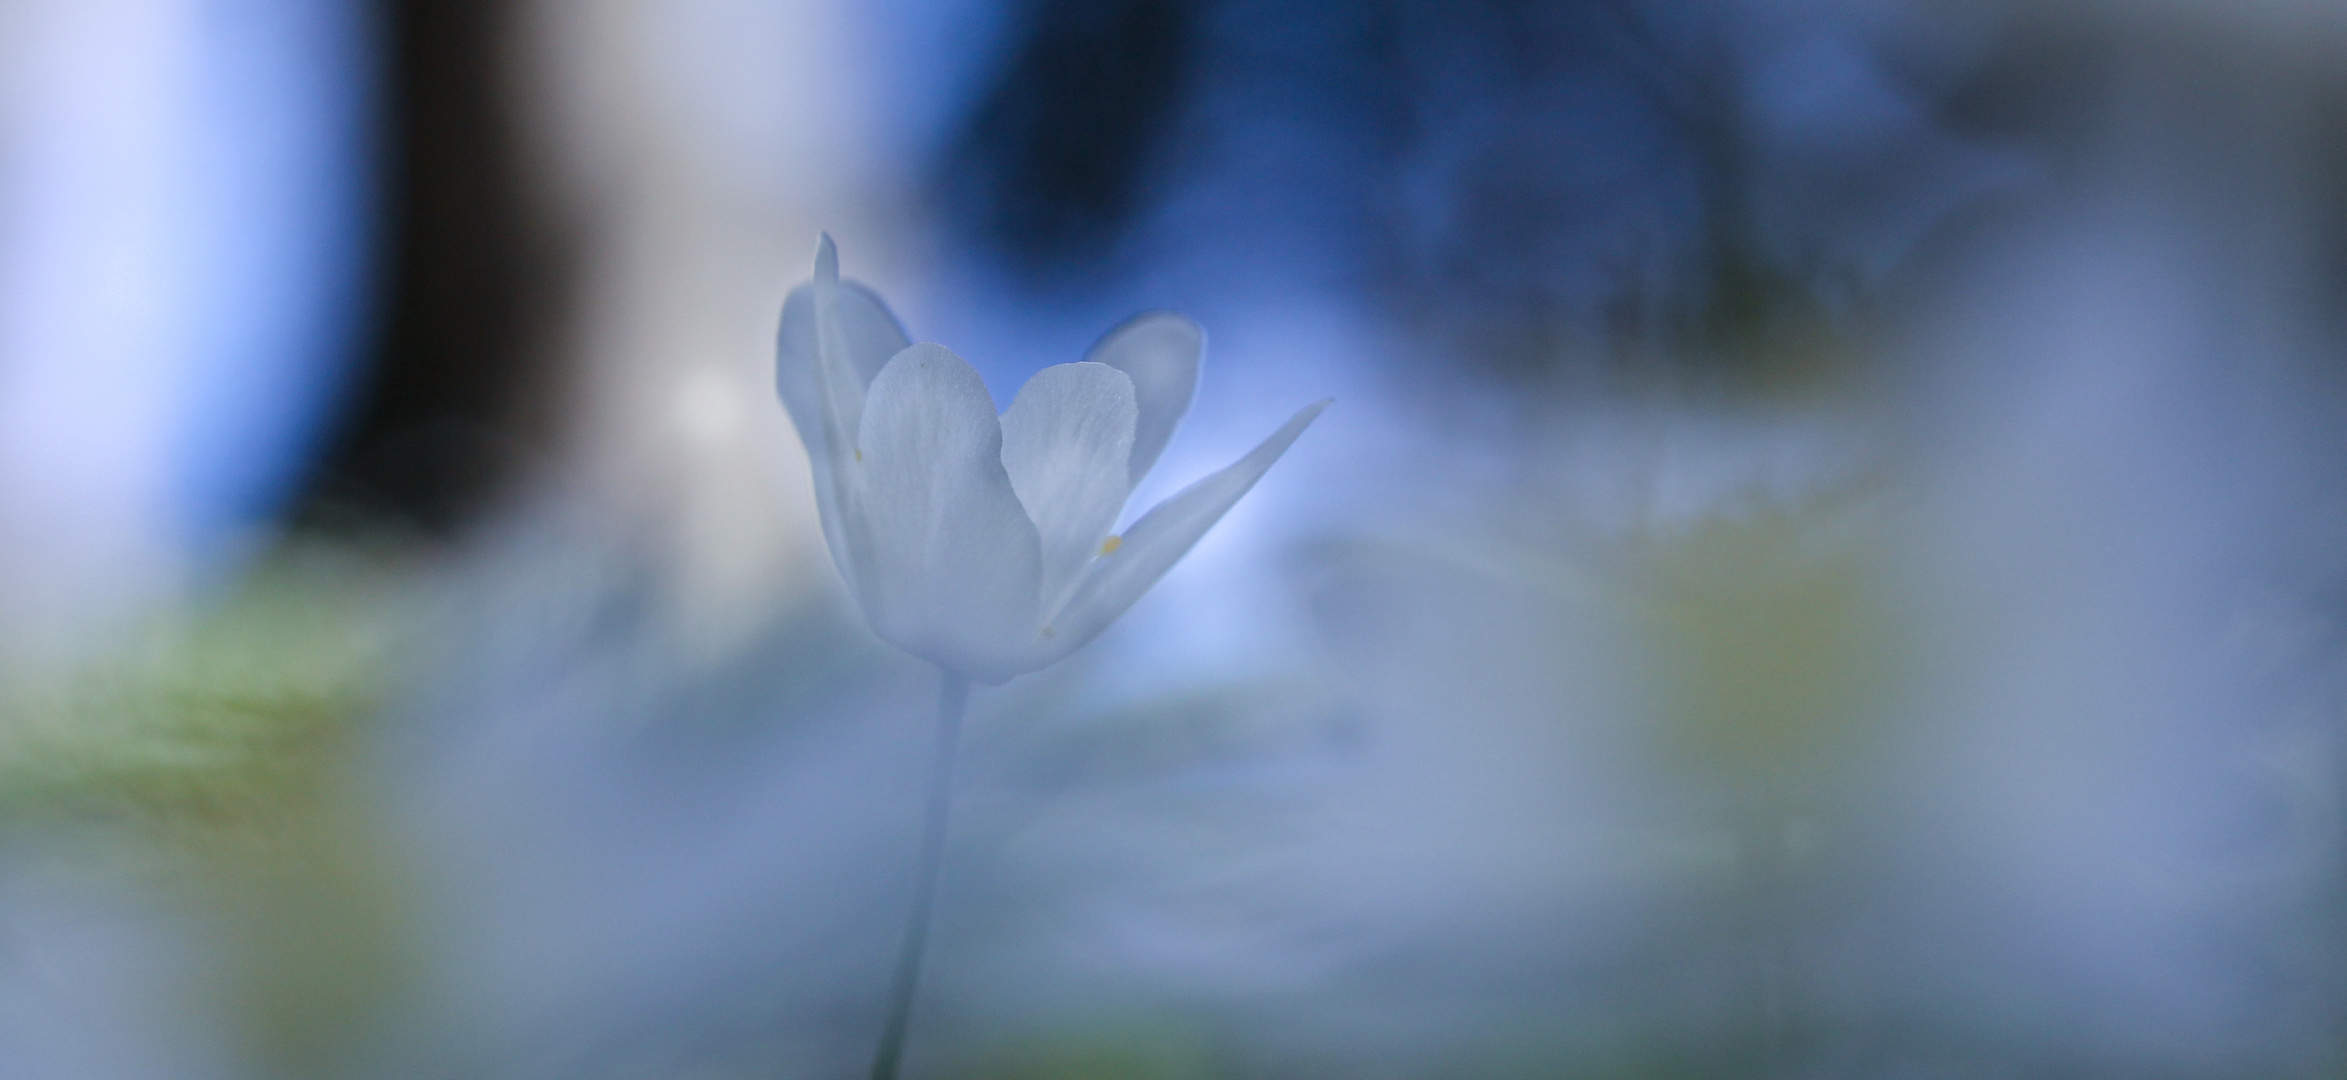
953 700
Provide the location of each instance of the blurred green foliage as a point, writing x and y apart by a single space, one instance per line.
213 716
205 757
1773 635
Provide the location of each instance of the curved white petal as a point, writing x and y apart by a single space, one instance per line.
838 386
1159 351
868 328
871 331
794 370
1066 443
872 335
950 564
1161 538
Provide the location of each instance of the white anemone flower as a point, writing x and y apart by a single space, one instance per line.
980 543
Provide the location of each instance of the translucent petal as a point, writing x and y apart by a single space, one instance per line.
1159 351
872 335
1066 442
1161 538
953 564
871 332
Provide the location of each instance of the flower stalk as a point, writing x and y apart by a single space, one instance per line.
953 701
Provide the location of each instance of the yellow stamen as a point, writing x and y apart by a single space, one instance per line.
1109 546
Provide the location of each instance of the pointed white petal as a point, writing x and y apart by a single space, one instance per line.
870 335
797 380
794 371
1067 442
952 564
1159 351
869 330
1161 538
838 384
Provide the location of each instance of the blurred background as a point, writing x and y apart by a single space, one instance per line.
1829 557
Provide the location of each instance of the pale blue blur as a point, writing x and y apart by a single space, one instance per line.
188 215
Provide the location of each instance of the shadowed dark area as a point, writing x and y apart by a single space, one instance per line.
477 278
1550 188
1060 153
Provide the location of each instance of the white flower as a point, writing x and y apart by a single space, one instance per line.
983 543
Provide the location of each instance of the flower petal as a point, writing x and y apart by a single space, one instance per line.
838 384
869 332
1159 351
869 329
869 335
1067 442
953 563
1161 538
